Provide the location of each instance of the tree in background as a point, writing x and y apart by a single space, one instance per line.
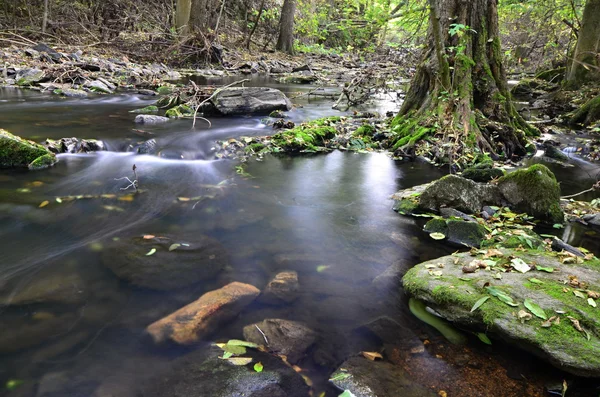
459 93
285 42
586 58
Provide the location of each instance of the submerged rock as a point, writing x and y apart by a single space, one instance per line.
365 378
289 338
203 374
200 318
73 93
54 287
549 314
74 145
16 152
33 330
533 190
150 119
251 100
174 263
283 288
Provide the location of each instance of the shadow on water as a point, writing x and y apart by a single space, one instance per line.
328 217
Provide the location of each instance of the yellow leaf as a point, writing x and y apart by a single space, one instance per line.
44 203
128 197
149 236
372 355
183 198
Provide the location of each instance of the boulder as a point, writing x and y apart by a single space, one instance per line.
283 288
203 374
482 174
74 145
200 318
150 119
459 193
289 338
555 153
16 152
533 190
592 219
250 100
175 262
365 378
51 52
29 76
570 341
98 86
58 287
458 231
148 147
73 93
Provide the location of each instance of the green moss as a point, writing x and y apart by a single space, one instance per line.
552 75
364 130
254 147
164 90
18 152
179 111
406 206
436 225
45 161
482 174
533 190
407 130
588 113
146 110
308 137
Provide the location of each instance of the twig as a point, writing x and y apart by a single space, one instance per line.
263 334
212 96
578 194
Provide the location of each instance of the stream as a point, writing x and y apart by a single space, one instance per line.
328 217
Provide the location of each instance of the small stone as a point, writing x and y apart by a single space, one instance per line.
289 338
150 119
283 288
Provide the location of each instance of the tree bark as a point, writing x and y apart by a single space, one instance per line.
459 97
203 15
586 59
260 11
285 42
182 16
45 17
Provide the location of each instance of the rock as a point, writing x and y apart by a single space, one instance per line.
146 110
555 153
559 245
533 190
389 331
107 83
592 219
298 79
458 231
201 258
203 374
63 345
459 193
365 378
560 343
52 384
52 53
147 92
99 86
16 152
72 93
29 76
483 174
388 281
283 288
150 119
148 147
250 100
197 320
289 338
452 213
73 145
32 331
58 287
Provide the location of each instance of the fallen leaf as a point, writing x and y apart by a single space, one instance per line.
484 338
372 355
535 281
173 247
239 361
151 252
237 342
258 367
233 349
58 200
524 316
43 204
322 268
148 236
519 265
535 309
479 302
129 197
437 236
593 294
347 393
578 294
591 302
544 269
491 253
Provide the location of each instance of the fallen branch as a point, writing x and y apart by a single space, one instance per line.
595 187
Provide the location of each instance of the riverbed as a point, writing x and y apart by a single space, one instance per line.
328 217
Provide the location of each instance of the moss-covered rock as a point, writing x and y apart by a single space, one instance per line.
552 75
533 88
533 190
482 174
164 90
454 293
458 231
307 137
588 113
555 153
29 77
146 110
16 152
179 111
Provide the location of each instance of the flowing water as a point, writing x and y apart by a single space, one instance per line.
328 217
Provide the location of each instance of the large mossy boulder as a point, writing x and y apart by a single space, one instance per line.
549 310
250 100
16 152
165 262
458 231
533 190
459 193
203 373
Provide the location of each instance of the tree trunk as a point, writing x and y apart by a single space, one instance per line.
45 17
285 42
459 98
203 15
586 59
260 11
182 16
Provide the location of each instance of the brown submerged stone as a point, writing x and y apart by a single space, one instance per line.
197 320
